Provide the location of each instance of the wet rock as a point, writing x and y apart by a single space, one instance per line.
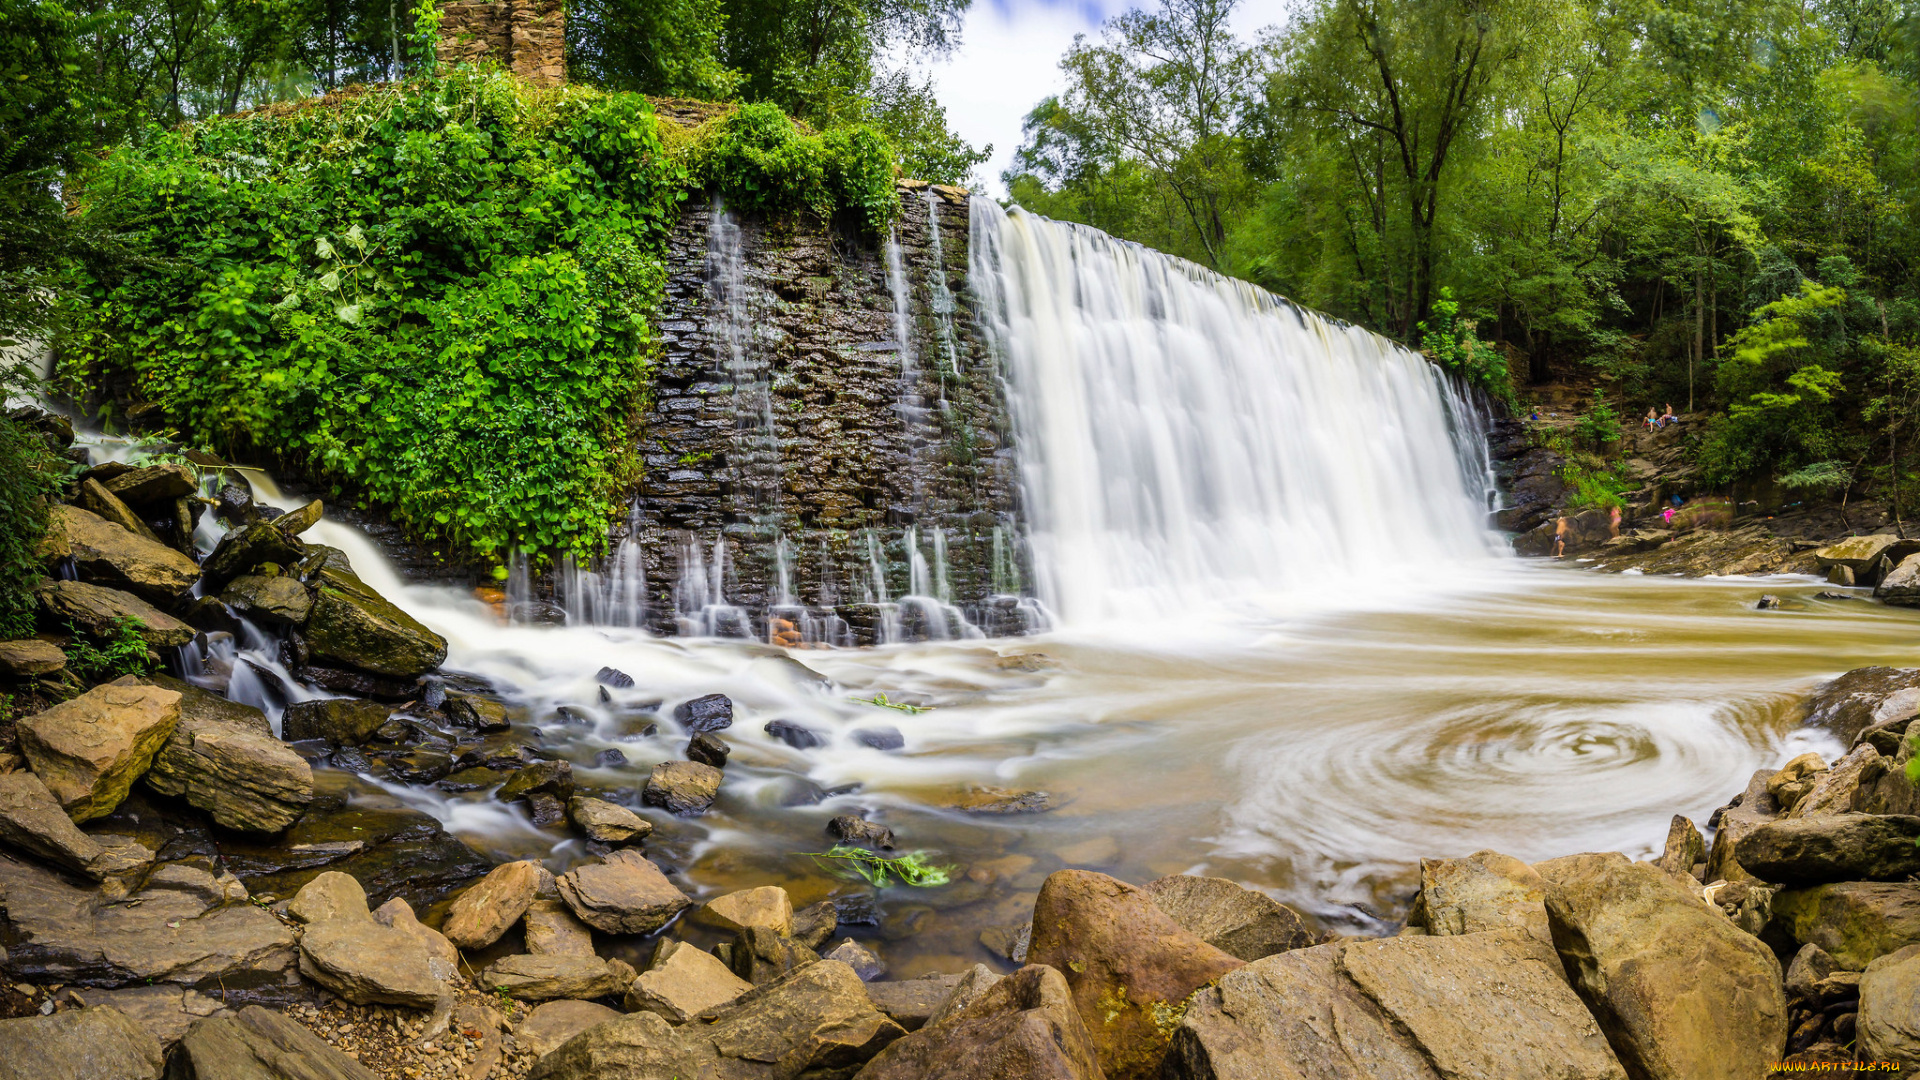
109 555
1853 921
30 658
1681 992
1684 849
1484 891
553 778
1836 847
864 964
235 505
224 759
971 986
419 767
1862 698
550 976
707 749
683 787
1025 1025
105 506
91 749
815 923
610 758
796 736
473 779
910 1002
256 1044
489 909
98 610
849 829
1125 961
1888 1025
275 601
682 982
480 714
1901 586
209 614
31 821
295 522
710 713
352 626
335 721
613 677
553 930
357 683
98 1043
1011 942
244 549
880 738
553 1023
154 484
623 893
545 810
607 822
1238 921
988 800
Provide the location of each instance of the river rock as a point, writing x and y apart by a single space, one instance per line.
880 738
231 766
683 982
1125 961
815 923
971 986
98 1043
481 714
708 749
259 1044
552 929
544 978
1856 553
30 658
623 893
997 801
1238 921
849 829
295 522
910 1002
856 956
1685 848
97 610
335 721
489 909
1862 698
1795 779
683 787
1853 921
554 778
370 964
1901 586
1836 847
154 484
397 914
795 735
103 505
607 822
760 955
91 749
553 1023
110 555
713 712
165 1012
244 549
1681 992
1484 891
330 895
1754 808
1024 1026
32 821
275 601
1888 1026
1833 791
353 626
767 906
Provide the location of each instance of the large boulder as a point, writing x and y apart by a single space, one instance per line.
90 750
224 759
683 787
1236 920
529 977
1484 891
1024 1026
367 963
489 909
110 555
153 485
244 549
30 658
1681 992
1126 962
1753 808
1856 553
1864 698
32 821
259 1044
682 982
1901 586
98 1043
623 893
1835 847
353 626
1854 921
1888 1026
335 721
95 499
1479 1006
97 610
276 601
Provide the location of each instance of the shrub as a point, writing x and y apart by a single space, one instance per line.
32 474
96 658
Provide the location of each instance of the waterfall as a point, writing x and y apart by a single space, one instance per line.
1187 439
737 318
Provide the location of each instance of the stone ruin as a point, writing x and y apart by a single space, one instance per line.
527 37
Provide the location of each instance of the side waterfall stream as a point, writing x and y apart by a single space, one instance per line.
1285 649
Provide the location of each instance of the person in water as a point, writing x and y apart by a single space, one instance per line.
1613 523
1560 537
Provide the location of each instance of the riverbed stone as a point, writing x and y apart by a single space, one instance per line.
103 505
97 610
353 626
275 601
90 750
96 1043
481 714
294 522
1888 1026
708 749
166 1012
1024 1026
1684 849
910 1002
479 916
683 787
529 977
232 766
1681 992
713 712
760 955
768 907
151 485
858 957
608 823
260 1044
1856 553
30 658
1862 698
398 915
370 964
246 548
107 554
1236 920
32 821
969 987
1125 961
330 895
552 929
1833 791
1855 922
1835 847
1795 779
1755 808
682 982
335 721
554 1022
849 829
552 778
623 893
1484 891
1901 586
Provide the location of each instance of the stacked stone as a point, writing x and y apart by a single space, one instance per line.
528 37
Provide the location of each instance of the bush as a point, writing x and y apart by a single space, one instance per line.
97 658
759 160
32 474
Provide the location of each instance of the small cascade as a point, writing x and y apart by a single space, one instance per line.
939 297
615 594
756 457
699 595
926 612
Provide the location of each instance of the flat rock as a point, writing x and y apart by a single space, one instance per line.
1238 921
1484 891
767 907
166 1012
553 778
1855 922
96 610
1856 553
370 964
98 1043
1838 847
1863 698
30 658
910 1002
295 522
489 909
553 1023
335 721
552 929
683 982
231 766
1024 1026
259 1044
154 484
683 787
32 821
96 500
90 750
275 601
109 555
623 893
481 714
353 626
608 823
1681 992
398 914
1888 1027
996 801
546 977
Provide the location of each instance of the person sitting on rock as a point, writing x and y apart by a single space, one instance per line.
1653 418
1669 418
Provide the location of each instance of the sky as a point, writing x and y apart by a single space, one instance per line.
1009 59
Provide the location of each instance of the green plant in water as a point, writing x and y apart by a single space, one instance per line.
95 658
912 869
881 700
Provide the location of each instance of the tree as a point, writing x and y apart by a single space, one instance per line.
669 47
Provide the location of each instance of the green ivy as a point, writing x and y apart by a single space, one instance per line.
761 161
32 474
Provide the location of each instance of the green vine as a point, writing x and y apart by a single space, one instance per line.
423 41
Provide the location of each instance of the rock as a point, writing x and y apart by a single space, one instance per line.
1854 921
32 821
258 1044
796 736
398 915
988 800
1901 585
1856 553
480 714
1684 849
1024 1026
849 829
880 738
489 909
970 987
295 522
275 601
683 787
707 749
1834 847
606 822
1810 965
108 554
370 964
90 750
1795 779
623 893
104 506
911 1001
1767 602
553 1023
98 1043
335 721
1238 921
614 677
766 906
864 964
710 713
1484 891
353 626
1009 941
1125 961
244 549
1755 807
154 484
610 758
553 930
1862 698
1888 1026
330 895
815 923
683 982
30 658
546 977
1842 576
760 955
544 810
553 778
1681 992
1833 791
165 1012
97 610
232 767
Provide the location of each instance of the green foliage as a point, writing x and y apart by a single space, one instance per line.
668 47
1594 485
913 869
1780 396
761 161
1601 425
97 658
1450 342
900 706
32 474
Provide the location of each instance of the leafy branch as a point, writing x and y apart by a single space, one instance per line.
912 869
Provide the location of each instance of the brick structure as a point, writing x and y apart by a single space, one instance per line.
528 37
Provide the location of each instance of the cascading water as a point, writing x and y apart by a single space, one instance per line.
1187 439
